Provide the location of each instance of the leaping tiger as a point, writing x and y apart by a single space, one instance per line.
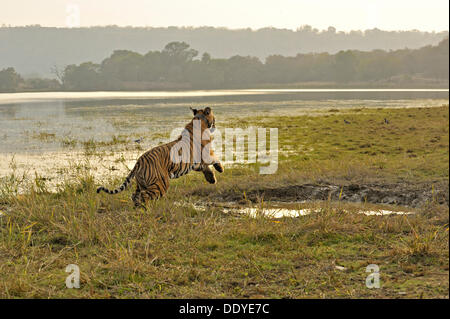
155 167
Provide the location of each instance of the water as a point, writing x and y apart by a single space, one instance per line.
285 212
277 212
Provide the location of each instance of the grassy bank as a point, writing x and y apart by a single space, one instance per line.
176 249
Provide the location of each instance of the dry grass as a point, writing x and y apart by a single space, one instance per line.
179 251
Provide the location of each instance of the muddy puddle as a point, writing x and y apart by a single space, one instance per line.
286 209
284 212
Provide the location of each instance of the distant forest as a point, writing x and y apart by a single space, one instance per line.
178 66
33 50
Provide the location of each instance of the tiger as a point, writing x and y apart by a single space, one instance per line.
157 166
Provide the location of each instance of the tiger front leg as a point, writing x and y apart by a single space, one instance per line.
218 166
216 163
209 175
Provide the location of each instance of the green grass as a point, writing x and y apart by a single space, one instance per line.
413 145
174 250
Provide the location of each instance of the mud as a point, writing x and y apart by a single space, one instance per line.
402 194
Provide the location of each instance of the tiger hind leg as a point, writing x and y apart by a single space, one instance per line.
152 192
137 198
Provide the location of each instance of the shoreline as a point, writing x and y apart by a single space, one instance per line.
43 96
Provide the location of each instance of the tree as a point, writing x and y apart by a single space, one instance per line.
153 68
9 79
177 56
345 66
243 70
83 77
40 84
206 58
179 52
123 65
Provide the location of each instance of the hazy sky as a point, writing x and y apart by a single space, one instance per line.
429 15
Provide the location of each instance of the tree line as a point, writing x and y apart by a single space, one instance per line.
63 46
178 66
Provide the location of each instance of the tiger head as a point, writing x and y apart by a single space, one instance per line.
206 115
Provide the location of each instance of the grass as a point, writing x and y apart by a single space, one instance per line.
176 250
414 145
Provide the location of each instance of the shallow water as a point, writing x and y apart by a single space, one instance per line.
277 211
284 212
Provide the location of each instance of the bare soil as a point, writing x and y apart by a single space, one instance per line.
400 193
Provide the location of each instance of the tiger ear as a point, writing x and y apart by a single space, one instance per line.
207 110
193 110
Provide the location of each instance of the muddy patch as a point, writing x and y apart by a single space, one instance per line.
401 194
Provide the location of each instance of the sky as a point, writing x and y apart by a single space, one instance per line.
344 15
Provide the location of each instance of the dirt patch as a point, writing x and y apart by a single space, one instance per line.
403 194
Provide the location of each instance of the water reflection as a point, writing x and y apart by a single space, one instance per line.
284 212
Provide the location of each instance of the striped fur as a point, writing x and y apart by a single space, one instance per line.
155 168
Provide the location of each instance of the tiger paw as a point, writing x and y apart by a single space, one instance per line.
218 167
209 176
